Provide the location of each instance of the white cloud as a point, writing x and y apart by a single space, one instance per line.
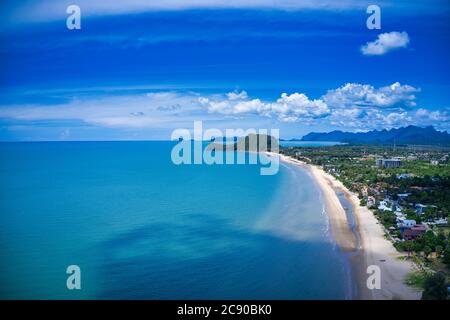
385 43
232 105
358 106
44 10
287 108
376 119
436 116
363 95
237 95
130 111
298 105
369 118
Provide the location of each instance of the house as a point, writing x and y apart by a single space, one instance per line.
384 206
370 201
420 208
434 162
414 232
406 224
399 214
440 221
399 218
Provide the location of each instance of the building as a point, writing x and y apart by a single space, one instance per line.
440 221
414 232
404 176
370 201
399 218
434 162
420 208
388 163
379 163
406 224
384 205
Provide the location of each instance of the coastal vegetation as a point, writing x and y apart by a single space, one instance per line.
409 199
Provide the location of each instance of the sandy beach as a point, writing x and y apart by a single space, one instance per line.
372 249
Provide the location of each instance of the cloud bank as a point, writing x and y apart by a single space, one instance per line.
352 106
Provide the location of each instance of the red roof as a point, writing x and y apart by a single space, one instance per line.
413 232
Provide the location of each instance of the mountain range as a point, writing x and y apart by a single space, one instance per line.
405 135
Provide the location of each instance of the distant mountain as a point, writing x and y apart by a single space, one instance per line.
404 135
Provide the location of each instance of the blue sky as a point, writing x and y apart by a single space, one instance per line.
140 69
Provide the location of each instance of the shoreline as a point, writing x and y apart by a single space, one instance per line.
371 249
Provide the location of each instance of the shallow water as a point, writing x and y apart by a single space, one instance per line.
140 227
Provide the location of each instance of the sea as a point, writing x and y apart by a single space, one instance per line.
140 227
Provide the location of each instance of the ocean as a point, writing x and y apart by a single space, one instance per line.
140 227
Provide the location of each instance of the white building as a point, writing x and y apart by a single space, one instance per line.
406 223
388 163
384 206
420 208
440 221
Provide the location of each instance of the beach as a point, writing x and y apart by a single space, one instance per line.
371 249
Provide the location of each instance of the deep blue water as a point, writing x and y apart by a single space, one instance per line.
141 227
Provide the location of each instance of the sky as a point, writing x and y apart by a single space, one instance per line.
138 70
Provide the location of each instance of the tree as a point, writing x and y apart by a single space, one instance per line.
446 258
435 287
439 249
408 246
417 247
427 251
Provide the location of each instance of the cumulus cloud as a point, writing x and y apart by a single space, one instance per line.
376 118
369 118
364 95
385 43
297 106
287 108
353 105
436 116
352 100
233 103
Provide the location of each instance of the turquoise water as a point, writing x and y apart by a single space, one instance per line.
140 227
